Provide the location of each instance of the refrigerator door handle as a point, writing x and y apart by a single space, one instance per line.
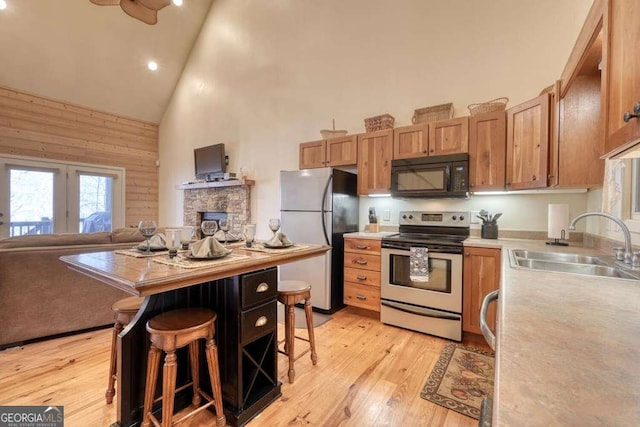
323 211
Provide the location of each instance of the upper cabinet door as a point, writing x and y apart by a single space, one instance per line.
375 151
487 146
449 136
528 144
411 141
312 154
342 151
622 74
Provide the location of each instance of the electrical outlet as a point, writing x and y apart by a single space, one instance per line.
386 215
474 218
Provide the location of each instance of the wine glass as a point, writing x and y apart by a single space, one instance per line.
274 225
209 228
148 228
186 233
173 240
249 234
225 226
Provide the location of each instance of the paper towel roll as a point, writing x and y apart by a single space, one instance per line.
558 221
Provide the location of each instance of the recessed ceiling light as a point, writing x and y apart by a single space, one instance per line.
152 65
176 2
3 4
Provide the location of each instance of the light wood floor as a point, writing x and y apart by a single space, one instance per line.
368 374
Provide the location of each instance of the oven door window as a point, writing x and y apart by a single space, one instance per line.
415 179
439 274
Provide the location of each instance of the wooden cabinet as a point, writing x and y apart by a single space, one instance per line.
362 273
449 136
375 152
481 275
341 151
487 150
528 144
411 141
621 74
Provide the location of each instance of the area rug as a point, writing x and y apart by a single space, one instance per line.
301 320
461 378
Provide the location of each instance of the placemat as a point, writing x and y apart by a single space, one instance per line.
257 247
181 261
137 254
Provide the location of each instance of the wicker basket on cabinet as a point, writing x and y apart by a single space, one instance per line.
433 113
498 104
384 121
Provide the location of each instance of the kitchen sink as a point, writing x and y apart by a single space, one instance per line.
569 263
558 257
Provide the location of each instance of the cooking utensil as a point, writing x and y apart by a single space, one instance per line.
496 216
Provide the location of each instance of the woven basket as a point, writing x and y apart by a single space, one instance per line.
498 104
384 121
433 113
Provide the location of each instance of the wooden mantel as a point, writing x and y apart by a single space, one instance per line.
215 184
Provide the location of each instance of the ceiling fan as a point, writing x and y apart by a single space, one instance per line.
144 10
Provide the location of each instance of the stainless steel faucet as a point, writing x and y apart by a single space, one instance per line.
628 251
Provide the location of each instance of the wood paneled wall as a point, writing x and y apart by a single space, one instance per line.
38 127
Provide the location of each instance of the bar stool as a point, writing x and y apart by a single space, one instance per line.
168 332
123 310
291 292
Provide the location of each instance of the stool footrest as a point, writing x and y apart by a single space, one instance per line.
195 411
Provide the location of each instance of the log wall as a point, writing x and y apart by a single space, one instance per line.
43 128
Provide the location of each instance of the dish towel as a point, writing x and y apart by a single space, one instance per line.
419 264
207 248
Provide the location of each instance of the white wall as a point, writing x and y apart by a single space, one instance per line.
264 76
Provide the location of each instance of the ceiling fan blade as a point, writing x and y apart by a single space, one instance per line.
137 10
105 2
155 4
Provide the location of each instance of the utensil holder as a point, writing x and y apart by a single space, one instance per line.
489 231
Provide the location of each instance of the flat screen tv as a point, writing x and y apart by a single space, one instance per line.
210 162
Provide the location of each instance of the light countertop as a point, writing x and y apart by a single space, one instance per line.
367 235
568 346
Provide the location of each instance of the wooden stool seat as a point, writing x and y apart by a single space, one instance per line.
291 292
168 332
124 311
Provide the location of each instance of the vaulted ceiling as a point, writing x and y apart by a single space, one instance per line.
96 56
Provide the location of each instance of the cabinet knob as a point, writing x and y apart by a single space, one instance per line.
361 297
360 277
362 247
262 320
262 287
467 254
636 113
360 261
472 185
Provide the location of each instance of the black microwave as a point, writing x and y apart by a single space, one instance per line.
437 176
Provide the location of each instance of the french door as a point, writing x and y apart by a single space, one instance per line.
41 196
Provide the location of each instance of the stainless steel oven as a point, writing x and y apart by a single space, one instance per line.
435 306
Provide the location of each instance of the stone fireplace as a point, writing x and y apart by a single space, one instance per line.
234 200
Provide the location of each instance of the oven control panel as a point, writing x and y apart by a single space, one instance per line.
433 218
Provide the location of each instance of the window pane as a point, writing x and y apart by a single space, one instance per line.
95 203
31 202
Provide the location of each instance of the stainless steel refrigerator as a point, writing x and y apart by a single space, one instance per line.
319 206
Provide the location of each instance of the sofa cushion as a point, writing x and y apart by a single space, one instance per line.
58 239
126 235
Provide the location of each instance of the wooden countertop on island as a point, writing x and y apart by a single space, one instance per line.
143 276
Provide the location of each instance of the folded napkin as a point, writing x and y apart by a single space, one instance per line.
419 264
207 248
230 236
156 242
279 240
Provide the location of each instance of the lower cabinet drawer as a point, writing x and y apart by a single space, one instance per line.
259 287
362 296
258 321
367 262
363 277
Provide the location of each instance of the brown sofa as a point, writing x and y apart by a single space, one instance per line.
41 297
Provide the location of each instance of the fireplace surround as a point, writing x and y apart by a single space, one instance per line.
234 201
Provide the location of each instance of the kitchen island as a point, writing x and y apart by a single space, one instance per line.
568 347
240 288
